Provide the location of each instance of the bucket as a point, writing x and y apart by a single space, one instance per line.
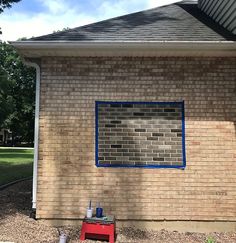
63 238
89 213
99 212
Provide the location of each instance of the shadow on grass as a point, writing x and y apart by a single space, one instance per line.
15 164
10 172
17 156
18 151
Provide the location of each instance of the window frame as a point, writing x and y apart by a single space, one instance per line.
183 166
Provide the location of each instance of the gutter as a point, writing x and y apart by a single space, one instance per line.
39 49
36 133
108 44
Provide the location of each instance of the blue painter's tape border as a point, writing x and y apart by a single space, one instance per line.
183 136
96 131
97 103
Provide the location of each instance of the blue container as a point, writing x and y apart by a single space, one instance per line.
99 212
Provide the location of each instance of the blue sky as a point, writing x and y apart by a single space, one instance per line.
38 17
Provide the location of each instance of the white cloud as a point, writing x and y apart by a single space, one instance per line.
61 15
109 9
20 25
55 6
157 3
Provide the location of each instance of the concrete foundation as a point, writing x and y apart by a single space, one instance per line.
180 226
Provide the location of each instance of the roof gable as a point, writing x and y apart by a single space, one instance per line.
176 22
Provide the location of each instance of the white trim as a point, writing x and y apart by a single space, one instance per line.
36 133
110 42
136 48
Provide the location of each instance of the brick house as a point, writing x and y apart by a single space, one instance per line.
137 112
5 136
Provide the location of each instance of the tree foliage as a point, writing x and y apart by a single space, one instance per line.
5 98
17 91
6 4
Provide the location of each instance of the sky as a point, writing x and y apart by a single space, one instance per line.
39 17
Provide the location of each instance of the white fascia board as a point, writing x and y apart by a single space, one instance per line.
96 48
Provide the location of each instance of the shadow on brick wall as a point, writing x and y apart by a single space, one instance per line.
209 105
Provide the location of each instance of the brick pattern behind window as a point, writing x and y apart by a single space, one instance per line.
140 134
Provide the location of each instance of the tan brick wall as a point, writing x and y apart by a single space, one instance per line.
68 177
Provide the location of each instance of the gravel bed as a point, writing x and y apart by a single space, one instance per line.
16 226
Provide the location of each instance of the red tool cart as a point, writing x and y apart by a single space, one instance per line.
99 228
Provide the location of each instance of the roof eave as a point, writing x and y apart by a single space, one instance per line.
114 48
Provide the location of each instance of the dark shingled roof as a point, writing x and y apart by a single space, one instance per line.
176 22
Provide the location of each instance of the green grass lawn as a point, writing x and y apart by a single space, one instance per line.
15 164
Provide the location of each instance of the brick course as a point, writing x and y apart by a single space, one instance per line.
122 142
67 175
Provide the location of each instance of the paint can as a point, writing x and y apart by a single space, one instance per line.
89 213
99 212
63 238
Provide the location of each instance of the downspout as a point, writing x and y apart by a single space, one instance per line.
36 136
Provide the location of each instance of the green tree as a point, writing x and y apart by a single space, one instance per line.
19 117
6 4
5 98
